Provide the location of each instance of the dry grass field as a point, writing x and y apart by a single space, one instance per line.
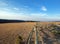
10 31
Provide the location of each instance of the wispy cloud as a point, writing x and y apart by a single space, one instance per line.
5 14
20 16
3 3
15 16
43 8
39 14
16 8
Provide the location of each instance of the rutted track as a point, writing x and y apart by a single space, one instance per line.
45 35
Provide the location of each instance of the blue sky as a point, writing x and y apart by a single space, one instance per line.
39 10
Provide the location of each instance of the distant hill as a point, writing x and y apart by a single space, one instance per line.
10 21
13 21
